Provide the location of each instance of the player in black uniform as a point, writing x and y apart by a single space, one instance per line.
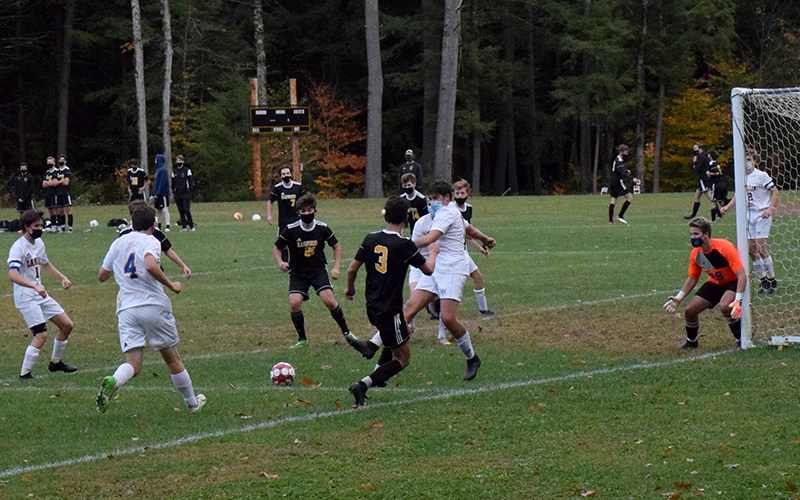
63 178
307 266
48 183
137 180
620 180
286 193
700 166
22 185
417 202
166 245
719 188
182 187
387 255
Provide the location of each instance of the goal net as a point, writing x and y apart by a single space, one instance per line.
766 127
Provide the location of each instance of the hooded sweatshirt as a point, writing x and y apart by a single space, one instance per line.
161 180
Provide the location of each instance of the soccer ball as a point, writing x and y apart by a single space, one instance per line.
237 215
256 217
93 223
282 373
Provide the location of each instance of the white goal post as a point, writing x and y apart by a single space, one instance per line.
766 125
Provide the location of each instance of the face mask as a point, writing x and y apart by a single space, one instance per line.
697 242
408 190
62 162
460 201
409 159
749 167
287 179
307 218
435 206
36 233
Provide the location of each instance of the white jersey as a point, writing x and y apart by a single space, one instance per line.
759 184
421 228
452 243
137 287
27 258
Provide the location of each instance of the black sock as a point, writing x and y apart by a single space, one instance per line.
338 315
624 209
386 356
695 209
299 325
159 226
70 220
385 372
736 329
691 331
62 220
610 212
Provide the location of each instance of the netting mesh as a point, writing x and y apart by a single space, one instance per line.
771 133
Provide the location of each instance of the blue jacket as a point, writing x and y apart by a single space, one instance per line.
161 180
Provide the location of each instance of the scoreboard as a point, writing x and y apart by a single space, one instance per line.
286 120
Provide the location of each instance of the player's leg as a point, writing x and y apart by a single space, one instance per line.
39 332
68 211
628 201
698 192
65 325
705 298
296 299
165 212
329 300
416 302
479 289
735 325
181 379
394 333
179 201
611 206
188 212
412 325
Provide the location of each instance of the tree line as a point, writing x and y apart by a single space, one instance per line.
516 96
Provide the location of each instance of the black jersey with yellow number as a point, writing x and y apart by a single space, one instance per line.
417 207
387 256
287 199
306 255
466 211
62 173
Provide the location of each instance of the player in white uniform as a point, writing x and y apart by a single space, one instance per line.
762 200
144 311
26 259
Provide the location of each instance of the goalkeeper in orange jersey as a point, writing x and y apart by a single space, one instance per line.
725 286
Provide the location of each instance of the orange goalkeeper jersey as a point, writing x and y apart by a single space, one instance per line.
721 262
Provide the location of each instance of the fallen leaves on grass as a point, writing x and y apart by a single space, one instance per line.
268 476
306 382
791 486
337 404
377 424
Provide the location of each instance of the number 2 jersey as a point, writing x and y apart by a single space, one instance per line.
387 256
306 255
27 258
721 263
137 287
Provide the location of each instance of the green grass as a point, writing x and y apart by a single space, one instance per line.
581 388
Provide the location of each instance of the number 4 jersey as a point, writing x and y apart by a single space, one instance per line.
721 263
137 287
27 258
387 256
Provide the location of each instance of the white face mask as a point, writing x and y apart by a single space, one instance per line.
749 167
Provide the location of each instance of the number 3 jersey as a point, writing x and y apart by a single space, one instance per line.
387 256
306 256
27 258
137 287
721 263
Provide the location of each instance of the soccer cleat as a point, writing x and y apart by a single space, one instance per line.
688 344
62 367
472 367
365 347
201 402
772 283
166 230
487 313
300 343
445 342
611 222
359 391
184 229
621 219
765 287
27 376
104 396
688 217
192 230
349 335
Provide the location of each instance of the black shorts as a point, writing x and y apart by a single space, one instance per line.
393 328
161 202
301 284
618 189
63 200
50 201
719 192
24 205
703 185
134 197
713 293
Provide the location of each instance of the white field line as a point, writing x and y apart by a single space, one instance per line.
13 471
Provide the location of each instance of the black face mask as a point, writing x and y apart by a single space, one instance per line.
62 163
409 159
307 218
287 179
36 233
460 201
408 190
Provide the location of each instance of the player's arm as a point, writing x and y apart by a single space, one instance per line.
51 269
775 197
478 246
729 205
187 273
269 212
15 277
474 232
352 272
675 300
277 253
151 264
430 264
104 274
337 260
426 240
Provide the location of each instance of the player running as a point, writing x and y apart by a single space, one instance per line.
144 311
26 259
725 285
387 255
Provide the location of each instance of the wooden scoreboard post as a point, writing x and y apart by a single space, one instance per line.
256 144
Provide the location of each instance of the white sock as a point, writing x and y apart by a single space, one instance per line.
31 355
123 374
58 350
183 383
758 268
165 210
768 269
481 296
376 339
442 330
465 344
367 381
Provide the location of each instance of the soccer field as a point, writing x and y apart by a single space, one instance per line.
581 392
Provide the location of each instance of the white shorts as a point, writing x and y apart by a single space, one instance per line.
146 324
38 310
757 226
472 265
414 275
445 285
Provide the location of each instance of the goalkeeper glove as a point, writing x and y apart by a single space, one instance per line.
673 302
736 309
